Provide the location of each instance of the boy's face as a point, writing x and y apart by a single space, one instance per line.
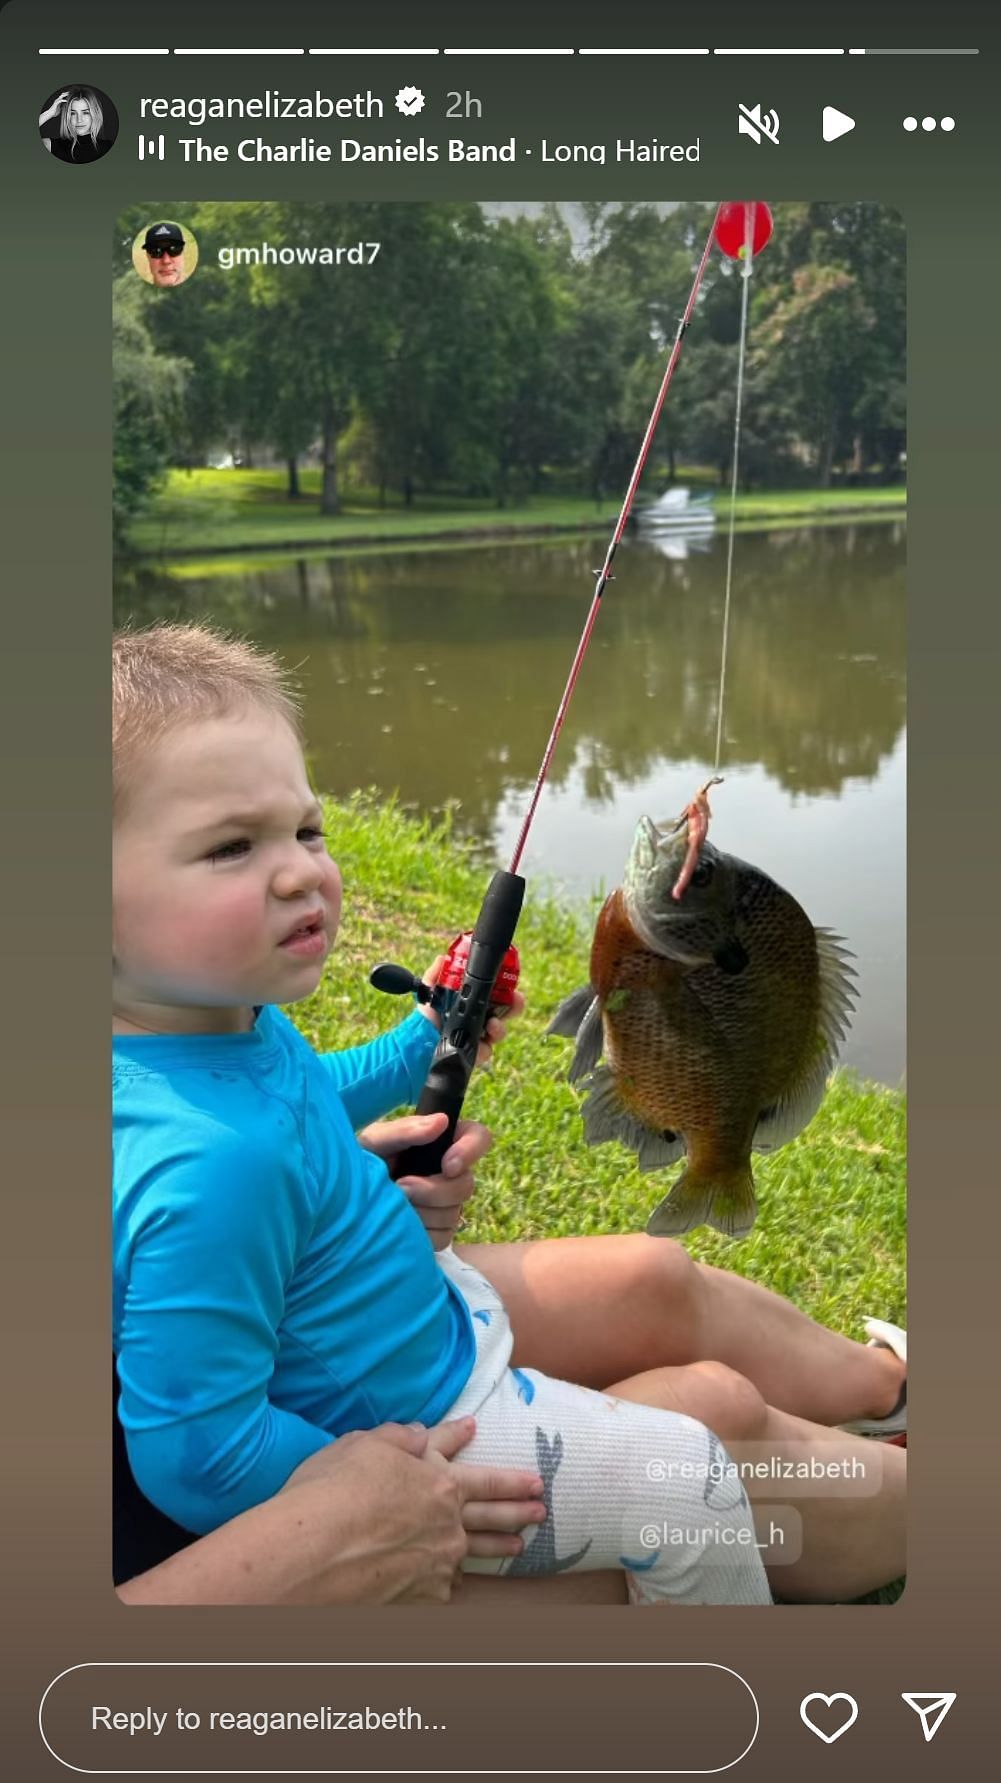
224 895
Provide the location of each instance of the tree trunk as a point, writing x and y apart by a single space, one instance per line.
672 464
825 460
330 501
293 491
408 492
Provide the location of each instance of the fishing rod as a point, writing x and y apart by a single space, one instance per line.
480 973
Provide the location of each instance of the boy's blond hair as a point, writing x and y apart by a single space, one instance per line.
168 675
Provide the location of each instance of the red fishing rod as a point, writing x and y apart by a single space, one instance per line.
481 969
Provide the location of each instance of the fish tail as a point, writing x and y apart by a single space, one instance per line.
724 1200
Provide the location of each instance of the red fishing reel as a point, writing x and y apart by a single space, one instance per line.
447 993
455 971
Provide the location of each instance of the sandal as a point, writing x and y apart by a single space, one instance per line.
884 1336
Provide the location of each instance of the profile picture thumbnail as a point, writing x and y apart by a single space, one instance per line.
78 124
165 253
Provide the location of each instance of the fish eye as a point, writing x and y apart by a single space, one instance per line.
702 874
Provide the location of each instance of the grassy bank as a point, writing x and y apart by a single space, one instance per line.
236 563
831 1228
206 511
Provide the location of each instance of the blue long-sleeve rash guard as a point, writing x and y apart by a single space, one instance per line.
273 1288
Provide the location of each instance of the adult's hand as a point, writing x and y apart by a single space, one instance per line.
375 1517
492 1503
438 1200
387 1526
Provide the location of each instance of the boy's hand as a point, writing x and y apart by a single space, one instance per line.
496 1027
437 1200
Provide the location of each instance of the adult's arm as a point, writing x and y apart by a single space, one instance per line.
367 1521
45 117
377 1517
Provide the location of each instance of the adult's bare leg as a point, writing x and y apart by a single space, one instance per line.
854 1541
597 1310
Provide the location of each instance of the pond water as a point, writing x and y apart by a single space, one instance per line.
436 674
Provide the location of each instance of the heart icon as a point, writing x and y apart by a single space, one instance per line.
845 1721
409 100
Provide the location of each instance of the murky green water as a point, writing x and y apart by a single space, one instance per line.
437 674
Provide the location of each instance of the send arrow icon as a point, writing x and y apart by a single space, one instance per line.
932 1705
836 123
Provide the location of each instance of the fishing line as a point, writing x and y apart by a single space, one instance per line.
481 961
746 271
604 575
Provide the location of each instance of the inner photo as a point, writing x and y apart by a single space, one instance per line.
508 974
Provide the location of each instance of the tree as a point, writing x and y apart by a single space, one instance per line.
147 393
490 353
321 324
419 392
816 342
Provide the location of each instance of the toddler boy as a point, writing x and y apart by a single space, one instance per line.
273 1287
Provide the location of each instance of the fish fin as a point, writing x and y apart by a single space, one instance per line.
837 990
571 1013
590 1037
605 1117
579 1017
724 1200
657 1150
796 1108
793 1111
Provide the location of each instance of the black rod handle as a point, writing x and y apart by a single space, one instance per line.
455 1054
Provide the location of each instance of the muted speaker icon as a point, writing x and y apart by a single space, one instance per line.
752 122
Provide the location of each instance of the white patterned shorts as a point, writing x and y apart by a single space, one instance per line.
627 1486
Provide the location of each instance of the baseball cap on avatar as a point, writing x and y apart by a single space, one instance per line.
159 234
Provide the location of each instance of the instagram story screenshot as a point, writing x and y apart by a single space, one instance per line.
500 646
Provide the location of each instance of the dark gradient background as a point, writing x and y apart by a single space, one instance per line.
60 1609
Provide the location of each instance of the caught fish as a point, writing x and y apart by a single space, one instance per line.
719 1008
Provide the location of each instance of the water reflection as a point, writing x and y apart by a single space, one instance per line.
438 674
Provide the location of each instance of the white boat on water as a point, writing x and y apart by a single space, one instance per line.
677 511
672 542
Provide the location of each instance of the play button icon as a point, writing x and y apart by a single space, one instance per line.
836 123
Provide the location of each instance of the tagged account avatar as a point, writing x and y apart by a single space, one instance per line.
164 246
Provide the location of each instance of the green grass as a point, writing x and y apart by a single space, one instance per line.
831 1228
779 502
243 510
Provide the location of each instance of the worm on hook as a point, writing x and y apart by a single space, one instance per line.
696 815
